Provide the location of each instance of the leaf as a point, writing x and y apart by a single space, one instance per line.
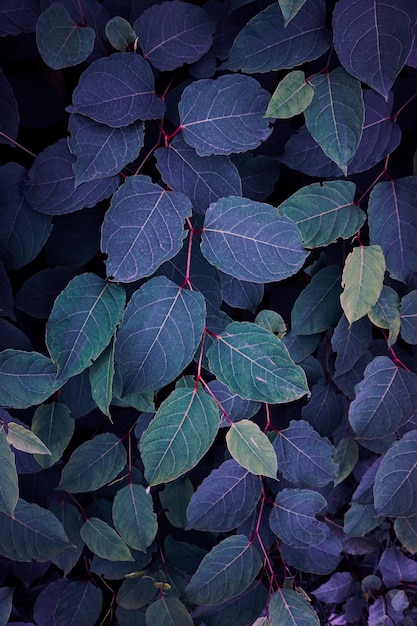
244 607
53 424
103 540
258 174
293 518
291 97
290 8
325 408
168 611
61 42
82 322
175 498
395 567
6 603
143 228
102 151
81 603
395 488
225 572
321 559
9 124
324 212
159 315
101 374
93 464
202 179
266 44
346 457
174 33
287 607
408 316
136 593
360 519
255 364
38 293
72 520
135 94
240 293
236 229
31 533
232 405
120 33
406 532
21 19
26 378
134 517
335 115
384 30
179 435
271 320
304 457
25 440
251 448
229 110
9 486
337 589
350 342
386 313
362 280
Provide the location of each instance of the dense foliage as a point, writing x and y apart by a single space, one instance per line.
208 271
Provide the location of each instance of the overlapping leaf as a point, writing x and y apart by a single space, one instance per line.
251 448
350 341
322 558
80 603
18 19
168 610
408 315
120 33
287 607
386 313
325 408
53 424
241 294
101 375
291 97
293 518
339 587
290 8
9 487
26 378
134 517
9 123
258 174
104 541
23 439
235 407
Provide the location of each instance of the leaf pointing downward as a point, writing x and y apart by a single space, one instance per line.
362 279
251 448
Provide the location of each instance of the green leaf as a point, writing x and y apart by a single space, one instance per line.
101 379
251 448
345 457
25 440
179 435
324 212
290 608
93 464
31 533
386 313
362 280
9 486
335 115
53 424
104 541
175 499
134 517
290 8
26 378
272 321
168 611
256 365
291 97
225 572
406 531
82 322
119 33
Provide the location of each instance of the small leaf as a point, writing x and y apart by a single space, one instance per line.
408 316
251 448
175 499
271 320
101 374
120 33
406 532
293 518
290 8
386 313
346 457
9 486
287 608
26 378
241 294
350 342
292 96
134 517
104 541
362 280
168 611
53 424
25 440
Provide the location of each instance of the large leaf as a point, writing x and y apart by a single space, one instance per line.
133 98
362 280
226 571
265 44
26 378
53 424
324 212
9 487
293 518
179 435
82 322
335 115
287 608
134 517
256 365
174 33
143 228
251 448
237 229
375 47
159 315
93 464
229 110
104 541
168 611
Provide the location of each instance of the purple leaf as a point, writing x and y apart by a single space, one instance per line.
396 568
339 587
373 39
47 602
325 408
18 18
322 558
350 342
240 293
293 518
408 315
303 154
174 33
117 90
235 407
9 121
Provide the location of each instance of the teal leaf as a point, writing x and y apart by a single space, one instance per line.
25 440
291 97
159 315
53 424
345 457
82 322
9 486
225 572
168 611
251 448
119 33
408 316
31 533
237 229
256 365
175 499
395 488
93 464
360 519
104 541
288 607
335 115
362 280
61 42
386 313
271 320
293 518
26 378
135 593
143 228
134 517
324 212
318 305
406 532
290 8
101 374
81 603
179 435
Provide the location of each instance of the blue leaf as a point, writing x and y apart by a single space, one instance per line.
408 316
350 342
173 33
236 229
224 499
258 174
102 151
265 44
322 558
9 122
80 603
37 294
339 587
47 601
143 228
159 315
300 346
26 378
51 189
293 518
235 407
303 154
12 337
202 179
241 294
135 92
375 47
18 19
229 110
396 568
325 408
